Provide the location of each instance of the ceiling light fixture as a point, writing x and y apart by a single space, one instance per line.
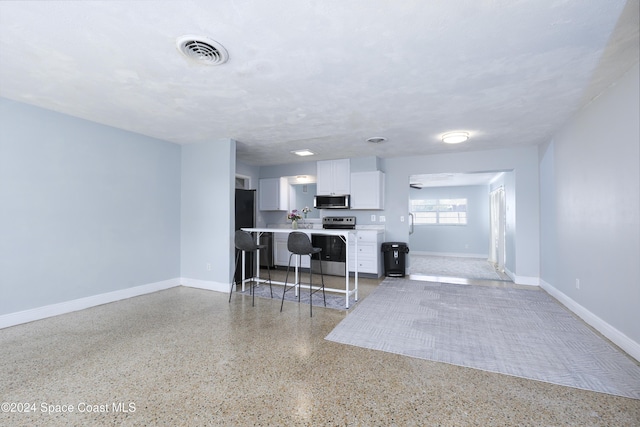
202 50
376 139
303 152
455 137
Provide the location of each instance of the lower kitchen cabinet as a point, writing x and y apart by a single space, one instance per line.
369 255
281 253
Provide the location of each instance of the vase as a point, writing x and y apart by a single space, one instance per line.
294 224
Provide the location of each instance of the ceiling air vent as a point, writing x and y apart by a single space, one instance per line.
202 50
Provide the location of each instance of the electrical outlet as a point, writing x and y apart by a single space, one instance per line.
401 218
373 218
577 283
208 266
382 218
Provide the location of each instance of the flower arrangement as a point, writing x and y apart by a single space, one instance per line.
294 215
306 210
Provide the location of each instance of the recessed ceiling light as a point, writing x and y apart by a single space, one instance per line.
455 137
202 50
376 139
303 153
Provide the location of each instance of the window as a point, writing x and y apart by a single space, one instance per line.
440 211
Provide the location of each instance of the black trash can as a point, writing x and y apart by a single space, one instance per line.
394 258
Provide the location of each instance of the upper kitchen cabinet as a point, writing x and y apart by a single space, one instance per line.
334 177
274 194
367 190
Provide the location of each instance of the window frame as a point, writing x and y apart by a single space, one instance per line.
440 207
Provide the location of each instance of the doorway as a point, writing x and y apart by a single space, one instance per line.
451 226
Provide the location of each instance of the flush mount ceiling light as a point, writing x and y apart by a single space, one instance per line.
202 50
303 152
455 137
376 139
303 179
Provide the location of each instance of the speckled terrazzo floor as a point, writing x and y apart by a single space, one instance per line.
187 357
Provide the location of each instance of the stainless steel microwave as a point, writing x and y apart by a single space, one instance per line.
332 202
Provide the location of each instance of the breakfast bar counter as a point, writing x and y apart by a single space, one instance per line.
345 235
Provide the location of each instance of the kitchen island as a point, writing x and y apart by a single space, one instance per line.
345 235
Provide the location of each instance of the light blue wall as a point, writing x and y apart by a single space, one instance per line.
253 172
207 211
513 229
85 209
288 169
469 239
548 210
304 195
591 208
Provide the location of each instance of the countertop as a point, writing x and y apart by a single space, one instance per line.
314 226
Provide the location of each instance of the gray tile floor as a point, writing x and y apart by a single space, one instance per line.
450 266
188 357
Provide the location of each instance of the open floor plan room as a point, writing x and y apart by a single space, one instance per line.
465 175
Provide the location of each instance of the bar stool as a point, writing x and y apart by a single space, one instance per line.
299 244
245 243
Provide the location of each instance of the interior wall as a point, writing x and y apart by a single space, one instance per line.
303 195
592 204
253 172
86 209
471 239
513 229
207 213
548 209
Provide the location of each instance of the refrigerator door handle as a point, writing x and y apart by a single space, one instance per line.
410 223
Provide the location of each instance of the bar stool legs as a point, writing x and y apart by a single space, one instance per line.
299 244
286 280
310 288
244 243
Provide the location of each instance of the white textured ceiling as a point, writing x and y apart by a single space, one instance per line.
322 75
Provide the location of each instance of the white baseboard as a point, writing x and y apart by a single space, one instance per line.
205 284
522 280
453 254
43 312
618 338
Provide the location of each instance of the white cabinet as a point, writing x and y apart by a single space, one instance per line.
274 194
334 177
369 256
367 190
281 253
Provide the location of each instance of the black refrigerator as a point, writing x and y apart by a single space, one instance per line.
245 217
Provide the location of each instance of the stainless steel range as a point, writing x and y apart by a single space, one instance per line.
334 249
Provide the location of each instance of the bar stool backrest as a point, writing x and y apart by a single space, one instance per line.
244 241
299 243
